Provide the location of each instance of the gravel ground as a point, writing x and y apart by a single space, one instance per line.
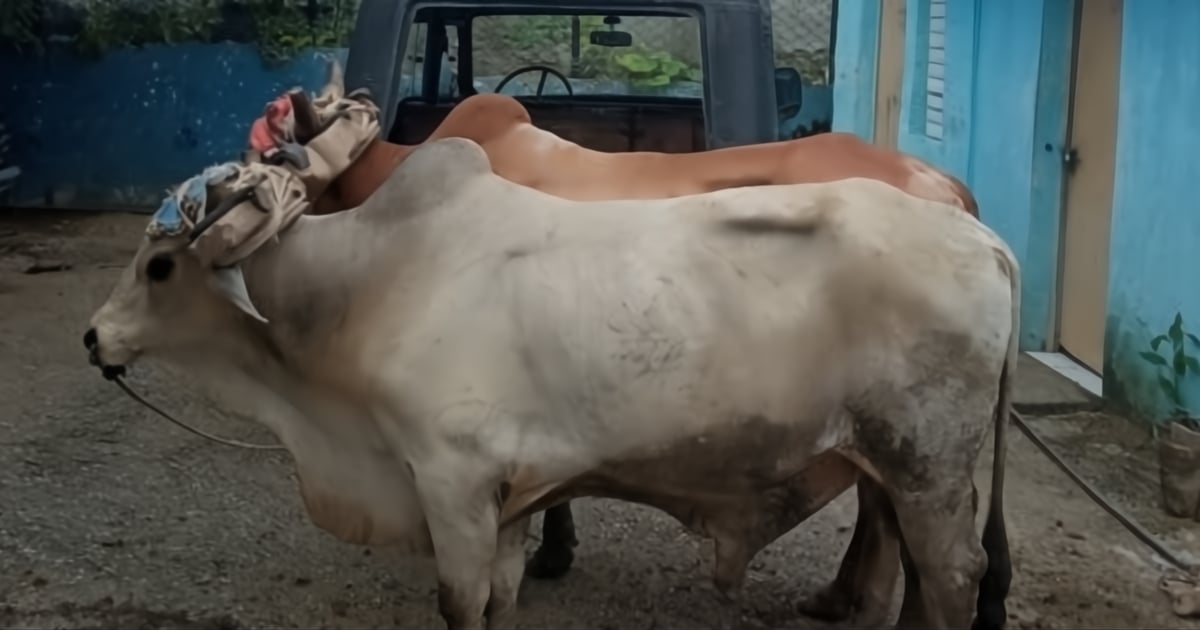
111 517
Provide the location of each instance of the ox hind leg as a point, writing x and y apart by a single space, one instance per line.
866 581
554 556
924 460
944 560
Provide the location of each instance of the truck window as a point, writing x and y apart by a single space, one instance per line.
644 56
803 34
413 63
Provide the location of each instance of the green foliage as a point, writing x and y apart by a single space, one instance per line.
655 68
281 28
19 21
109 24
536 33
1174 367
546 39
284 28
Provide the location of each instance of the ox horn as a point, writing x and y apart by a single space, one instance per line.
335 83
307 122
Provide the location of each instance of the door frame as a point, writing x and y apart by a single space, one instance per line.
1054 330
1039 306
889 72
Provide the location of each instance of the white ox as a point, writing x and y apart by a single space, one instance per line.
462 351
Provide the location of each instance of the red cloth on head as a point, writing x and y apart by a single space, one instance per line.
268 129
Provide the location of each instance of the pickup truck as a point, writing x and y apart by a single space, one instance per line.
611 75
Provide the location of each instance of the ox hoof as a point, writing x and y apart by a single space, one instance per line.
829 604
550 563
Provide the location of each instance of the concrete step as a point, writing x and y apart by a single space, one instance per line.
1039 390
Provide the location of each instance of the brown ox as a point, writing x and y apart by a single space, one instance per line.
522 153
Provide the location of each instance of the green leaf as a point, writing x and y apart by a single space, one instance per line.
1193 364
672 67
1175 332
1180 362
1152 358
636 63
1155 342
1194 338
657 80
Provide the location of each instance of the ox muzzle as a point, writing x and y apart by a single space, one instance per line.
91 341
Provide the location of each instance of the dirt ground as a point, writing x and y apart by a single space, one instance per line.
111 517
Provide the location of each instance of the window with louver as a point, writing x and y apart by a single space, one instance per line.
935 69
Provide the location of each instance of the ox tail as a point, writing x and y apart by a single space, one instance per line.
990 610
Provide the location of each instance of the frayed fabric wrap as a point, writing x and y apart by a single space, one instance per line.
273 197
351 130
335 127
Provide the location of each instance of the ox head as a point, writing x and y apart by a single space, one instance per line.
185 281
334 127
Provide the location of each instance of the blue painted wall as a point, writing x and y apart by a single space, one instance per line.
1018 128
1004 127
1008 76
1155 246
855 62
117 131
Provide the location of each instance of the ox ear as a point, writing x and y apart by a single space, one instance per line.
230 283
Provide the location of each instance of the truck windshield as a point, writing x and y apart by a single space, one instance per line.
600 55
597 55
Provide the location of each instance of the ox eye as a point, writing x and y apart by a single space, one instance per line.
159 268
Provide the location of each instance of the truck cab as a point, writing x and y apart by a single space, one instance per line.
611 75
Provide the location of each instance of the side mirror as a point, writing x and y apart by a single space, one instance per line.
611 39
789 92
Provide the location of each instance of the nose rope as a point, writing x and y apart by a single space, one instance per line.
187 427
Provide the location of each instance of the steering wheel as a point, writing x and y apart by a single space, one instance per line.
545 70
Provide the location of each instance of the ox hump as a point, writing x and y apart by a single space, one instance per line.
436 171
453 158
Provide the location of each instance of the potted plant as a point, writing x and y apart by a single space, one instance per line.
1179 447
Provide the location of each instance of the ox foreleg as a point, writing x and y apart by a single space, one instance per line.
866 580
473 554
554 556
507 570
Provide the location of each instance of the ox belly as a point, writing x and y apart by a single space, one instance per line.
723 486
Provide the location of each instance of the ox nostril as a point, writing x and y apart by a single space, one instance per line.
90 339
